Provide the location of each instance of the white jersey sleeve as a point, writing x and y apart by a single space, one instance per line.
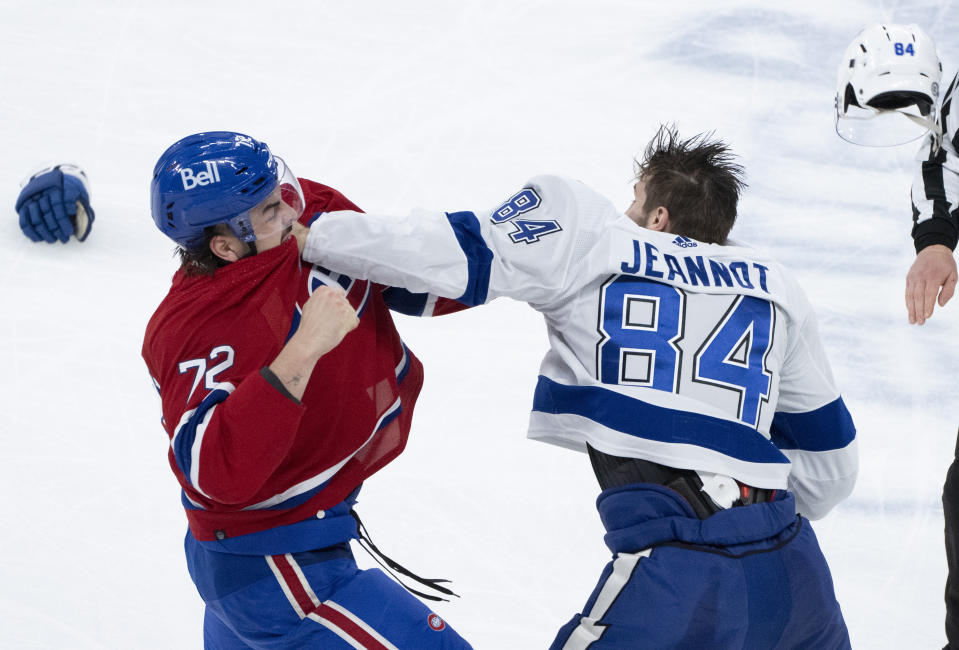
935 186
812 426
525 248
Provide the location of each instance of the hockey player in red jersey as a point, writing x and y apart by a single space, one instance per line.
283 387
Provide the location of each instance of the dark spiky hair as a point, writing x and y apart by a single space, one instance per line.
697 180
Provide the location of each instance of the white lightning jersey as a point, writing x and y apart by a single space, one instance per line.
687 354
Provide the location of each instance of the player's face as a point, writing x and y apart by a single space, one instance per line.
635 209
272 221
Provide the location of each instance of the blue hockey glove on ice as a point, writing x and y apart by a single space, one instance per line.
55 203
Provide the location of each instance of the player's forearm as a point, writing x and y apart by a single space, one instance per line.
292 368
418 252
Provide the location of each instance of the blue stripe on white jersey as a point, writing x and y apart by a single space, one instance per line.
187 439
824 429
640 419
479 257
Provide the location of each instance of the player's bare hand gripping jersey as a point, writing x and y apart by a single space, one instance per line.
935 187
690 355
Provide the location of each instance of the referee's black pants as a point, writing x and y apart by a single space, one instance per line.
950 510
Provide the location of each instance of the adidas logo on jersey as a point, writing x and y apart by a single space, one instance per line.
210 175
684 242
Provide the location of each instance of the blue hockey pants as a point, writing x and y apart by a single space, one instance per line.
750 577
317 599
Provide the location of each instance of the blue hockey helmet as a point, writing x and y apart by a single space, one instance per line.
216 177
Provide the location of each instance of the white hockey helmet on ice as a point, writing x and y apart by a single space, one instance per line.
888 86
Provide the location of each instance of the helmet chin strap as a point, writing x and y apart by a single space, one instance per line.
925 122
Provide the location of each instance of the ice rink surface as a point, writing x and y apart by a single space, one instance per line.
449 105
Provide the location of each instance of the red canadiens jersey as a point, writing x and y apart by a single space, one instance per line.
247 457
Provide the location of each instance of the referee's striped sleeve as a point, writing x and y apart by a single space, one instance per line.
935 186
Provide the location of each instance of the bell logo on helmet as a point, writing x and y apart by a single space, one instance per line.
216 177
191 180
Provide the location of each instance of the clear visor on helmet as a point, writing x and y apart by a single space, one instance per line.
883 128
275 213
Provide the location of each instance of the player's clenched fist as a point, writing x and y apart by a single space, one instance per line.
327 318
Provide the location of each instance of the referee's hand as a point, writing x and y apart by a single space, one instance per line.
932 274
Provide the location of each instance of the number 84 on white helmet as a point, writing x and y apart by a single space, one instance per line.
888 86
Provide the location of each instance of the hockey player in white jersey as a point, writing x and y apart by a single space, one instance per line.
687 366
